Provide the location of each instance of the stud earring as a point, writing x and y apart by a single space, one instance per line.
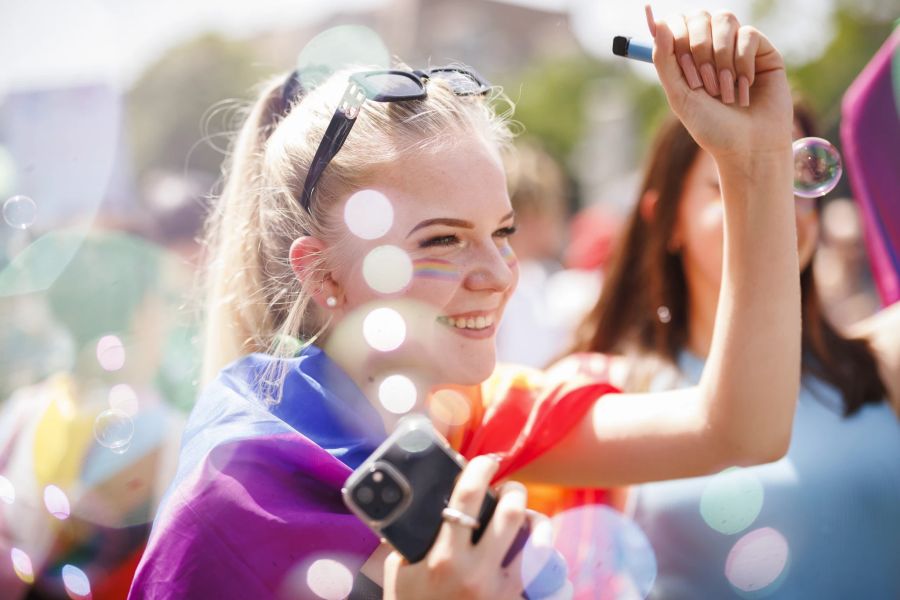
663 314
331 301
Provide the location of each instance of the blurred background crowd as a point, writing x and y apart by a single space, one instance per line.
114 122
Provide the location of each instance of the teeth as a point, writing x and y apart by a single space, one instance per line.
469 323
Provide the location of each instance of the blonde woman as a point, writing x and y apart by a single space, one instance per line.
255 510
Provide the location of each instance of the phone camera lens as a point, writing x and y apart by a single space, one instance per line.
365 495
390 495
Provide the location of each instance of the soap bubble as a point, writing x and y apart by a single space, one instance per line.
111 353
608 555
758 561
387 269
329 579
19 212
817 167
76 582
369 214
7 490
123 398
57 502
22 565
384 329
397 394
731 500
114 430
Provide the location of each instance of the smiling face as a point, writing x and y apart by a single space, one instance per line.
446 247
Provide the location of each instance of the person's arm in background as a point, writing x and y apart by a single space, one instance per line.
882 330
742 410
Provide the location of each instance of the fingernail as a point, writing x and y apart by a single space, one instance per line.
690 71
708 73
495 456
743 91
726 83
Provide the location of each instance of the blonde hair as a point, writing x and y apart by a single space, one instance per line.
255 302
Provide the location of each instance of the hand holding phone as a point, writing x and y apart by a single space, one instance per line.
408 493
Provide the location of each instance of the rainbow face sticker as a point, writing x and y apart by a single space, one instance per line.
436 268
509 256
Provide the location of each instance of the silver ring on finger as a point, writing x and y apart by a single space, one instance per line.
457 517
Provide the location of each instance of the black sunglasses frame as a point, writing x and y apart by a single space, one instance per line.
359 89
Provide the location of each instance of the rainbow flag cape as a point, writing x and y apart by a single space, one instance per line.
870 132
257 499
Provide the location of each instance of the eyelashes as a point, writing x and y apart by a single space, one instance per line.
453 239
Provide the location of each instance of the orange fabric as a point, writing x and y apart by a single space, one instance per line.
520 413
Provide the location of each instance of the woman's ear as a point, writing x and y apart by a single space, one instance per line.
648 205
306 263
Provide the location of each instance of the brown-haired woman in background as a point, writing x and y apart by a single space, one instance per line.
824 521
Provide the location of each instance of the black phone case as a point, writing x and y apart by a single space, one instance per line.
430 466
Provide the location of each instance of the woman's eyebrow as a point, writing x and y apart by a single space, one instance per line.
453 222
442 221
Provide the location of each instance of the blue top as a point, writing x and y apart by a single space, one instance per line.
823 522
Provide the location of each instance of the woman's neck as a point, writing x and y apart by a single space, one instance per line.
703 299
369 372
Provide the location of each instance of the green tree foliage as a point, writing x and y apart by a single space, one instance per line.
823 82
179 101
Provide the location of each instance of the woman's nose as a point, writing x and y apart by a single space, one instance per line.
494 270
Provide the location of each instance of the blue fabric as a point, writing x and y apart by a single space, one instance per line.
835 499
318 401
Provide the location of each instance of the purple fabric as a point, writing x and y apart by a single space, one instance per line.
256 499
870 132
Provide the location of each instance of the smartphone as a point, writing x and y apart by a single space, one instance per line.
401 489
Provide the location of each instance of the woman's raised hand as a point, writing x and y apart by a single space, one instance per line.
726 82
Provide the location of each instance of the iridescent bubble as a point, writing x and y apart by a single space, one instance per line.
340 47
368 214
7 490
387 269
123 399
329 579
384 329
114 429
57 502
7 172
817 167
287 345
77 585
758 560
449 407
607 553
111 353
397 394
731 500
19 212
22 565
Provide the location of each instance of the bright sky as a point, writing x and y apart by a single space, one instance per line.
55 42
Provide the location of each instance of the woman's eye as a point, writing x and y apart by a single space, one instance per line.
505 232
441 240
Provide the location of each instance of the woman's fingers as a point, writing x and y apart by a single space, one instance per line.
507 521
677 28
700 41
746 49
724 27
467 497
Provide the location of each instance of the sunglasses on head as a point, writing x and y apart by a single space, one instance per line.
380 86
